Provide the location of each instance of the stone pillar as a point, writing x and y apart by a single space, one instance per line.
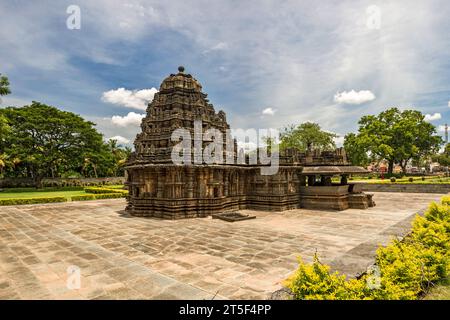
225 182
311 180
221 191
344 179
160 186
190 182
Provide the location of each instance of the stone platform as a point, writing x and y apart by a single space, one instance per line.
125 257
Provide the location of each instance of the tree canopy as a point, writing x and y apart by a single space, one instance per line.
4 128
444 157
45 141
4 85
307 136
394 135
356 152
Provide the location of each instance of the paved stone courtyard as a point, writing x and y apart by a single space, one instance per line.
123 257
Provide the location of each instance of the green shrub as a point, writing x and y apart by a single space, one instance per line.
393 179
433 229
83 197
12 202
97 190
110 195
406 268
98 196
445 200
315 282
411 179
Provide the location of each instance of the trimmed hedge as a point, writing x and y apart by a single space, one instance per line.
83 197
98 196
110 195
12 202
407 269
97 190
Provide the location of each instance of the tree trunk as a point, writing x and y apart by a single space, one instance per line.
38 182
404 168
391 167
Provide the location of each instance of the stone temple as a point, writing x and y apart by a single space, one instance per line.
158 187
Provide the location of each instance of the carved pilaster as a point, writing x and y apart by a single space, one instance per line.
190 182
160 186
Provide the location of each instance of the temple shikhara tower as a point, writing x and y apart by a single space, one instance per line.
158 187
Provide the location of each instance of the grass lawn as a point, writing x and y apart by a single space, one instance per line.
26 193
37 194
440 292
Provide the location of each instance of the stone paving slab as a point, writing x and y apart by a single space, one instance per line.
124 257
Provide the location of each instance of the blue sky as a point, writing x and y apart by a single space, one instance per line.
265 63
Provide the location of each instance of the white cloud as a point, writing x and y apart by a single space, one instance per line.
135 99
221 46
266 62
131 119
246 146
269 111
353 97
339 141
120 139
441 128
449 103
432 117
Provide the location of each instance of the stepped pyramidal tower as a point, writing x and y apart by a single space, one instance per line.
179 102
158 187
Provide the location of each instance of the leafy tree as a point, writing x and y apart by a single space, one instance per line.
4 128
444 157
3 161
397 136
4 85
356 153
307 136
120 156
45 138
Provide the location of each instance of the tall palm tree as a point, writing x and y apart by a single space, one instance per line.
4 86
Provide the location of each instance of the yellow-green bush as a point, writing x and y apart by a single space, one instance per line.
83 197
97 190
433 229
12 202
406 268
110 195
98 196
445 200
315 282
